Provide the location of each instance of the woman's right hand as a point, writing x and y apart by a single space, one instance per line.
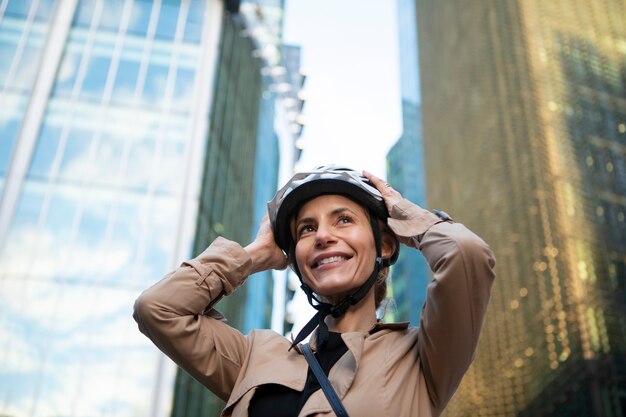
264 251
390 195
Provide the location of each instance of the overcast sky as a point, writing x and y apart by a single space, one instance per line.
350 55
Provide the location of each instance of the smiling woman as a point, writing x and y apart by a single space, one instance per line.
340 231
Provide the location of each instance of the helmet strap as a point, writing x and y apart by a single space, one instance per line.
337 310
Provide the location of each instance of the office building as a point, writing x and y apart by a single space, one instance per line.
104 118
405 172
245 150
524 131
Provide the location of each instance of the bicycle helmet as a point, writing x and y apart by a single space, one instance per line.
304 186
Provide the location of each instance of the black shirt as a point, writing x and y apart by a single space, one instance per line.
274 400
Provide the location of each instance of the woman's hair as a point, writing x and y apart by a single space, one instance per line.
380 286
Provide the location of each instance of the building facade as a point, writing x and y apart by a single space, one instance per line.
104 115
524 131
405 171
227 198
249 141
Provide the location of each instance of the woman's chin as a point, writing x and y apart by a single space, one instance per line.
335 294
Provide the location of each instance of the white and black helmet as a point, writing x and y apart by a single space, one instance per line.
322 180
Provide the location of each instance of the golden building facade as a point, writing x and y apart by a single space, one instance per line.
524 114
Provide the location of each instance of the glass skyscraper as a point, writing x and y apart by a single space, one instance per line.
525 132
241 173
405 171
104 117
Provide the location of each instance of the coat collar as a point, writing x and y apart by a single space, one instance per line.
293 367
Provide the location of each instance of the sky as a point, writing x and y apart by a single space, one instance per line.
350 56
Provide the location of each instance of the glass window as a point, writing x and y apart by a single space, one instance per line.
111 15
138 171
60 215
10 122
84 13
7 50
169 174
193 28
183 89
67 74
28 209
140 17
158 241
125 81
106 165
154 88
18 8
45 9
126 235
8 133
75 160
168 15
96 76
45 151
93 223
24 77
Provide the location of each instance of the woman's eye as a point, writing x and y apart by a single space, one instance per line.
305 229
345 220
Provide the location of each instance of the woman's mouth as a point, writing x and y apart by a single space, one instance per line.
329 260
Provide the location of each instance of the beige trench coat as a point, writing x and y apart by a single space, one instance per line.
392 370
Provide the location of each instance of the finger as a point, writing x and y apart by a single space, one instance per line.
378 183
384 187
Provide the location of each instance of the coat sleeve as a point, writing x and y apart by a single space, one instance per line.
457 297
176 314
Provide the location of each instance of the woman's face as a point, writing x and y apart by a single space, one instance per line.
335 248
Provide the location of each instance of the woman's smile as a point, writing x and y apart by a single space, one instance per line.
329 260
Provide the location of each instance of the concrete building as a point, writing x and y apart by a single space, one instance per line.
524 131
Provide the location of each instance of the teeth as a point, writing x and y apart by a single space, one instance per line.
329 260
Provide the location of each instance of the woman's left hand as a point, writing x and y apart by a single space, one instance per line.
390 196
264 251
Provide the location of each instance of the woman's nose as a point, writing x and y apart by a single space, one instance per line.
323 236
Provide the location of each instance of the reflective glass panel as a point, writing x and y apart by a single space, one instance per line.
140 17
111 15
67 74
45 151
138 173
96 76
183 90
26 213
45 9
193 27
76 155
168 15
154 88
170 175
28 66
18 8
105 168
84 13
8 43
125 80
11 115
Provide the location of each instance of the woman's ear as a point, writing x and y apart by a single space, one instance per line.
389 243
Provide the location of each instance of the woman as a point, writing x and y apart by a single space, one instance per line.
340 231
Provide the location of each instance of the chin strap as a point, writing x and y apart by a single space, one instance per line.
326 309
